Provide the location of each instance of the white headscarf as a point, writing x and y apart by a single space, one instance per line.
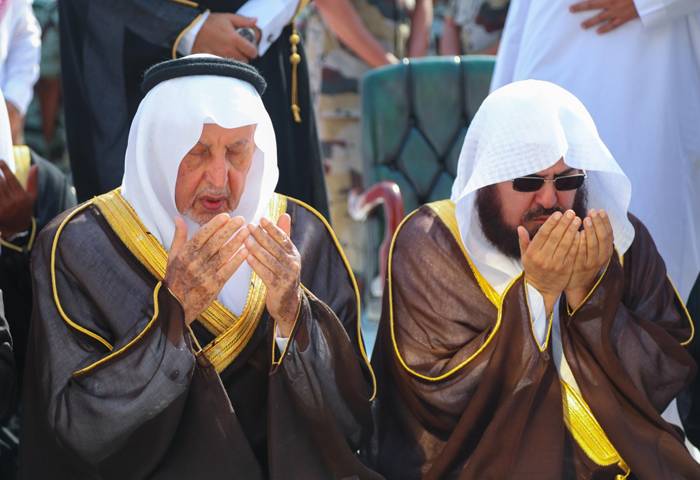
167 125
6 152
521 129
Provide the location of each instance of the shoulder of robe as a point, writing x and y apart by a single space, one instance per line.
641 233
78 232
643 245
54 190
308 222
50 171
421 231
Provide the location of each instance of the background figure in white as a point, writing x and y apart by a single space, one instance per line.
636 67
20 49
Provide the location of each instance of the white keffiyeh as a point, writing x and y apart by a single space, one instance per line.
521 129
167 125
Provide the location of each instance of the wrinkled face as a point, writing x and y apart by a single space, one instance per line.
502 209
211 177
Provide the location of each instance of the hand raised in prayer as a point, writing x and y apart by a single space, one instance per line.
613 13
276 260
594 252
548 258
218 36
16 203
198 268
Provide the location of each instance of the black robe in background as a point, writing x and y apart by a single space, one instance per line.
8 390
54 196
156 412
106 45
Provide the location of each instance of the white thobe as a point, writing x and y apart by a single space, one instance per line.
20 45
641 84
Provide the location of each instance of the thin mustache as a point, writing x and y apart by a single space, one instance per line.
540 212
214 192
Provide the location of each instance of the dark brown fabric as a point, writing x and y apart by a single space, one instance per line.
500 415
8 380
155 412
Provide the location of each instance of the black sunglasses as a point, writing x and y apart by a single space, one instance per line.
563 183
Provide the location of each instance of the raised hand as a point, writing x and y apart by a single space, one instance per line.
276 260
218 36
198 268
612 13
548 259
16 203
594 252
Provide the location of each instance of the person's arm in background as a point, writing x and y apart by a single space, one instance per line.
21 69
168 22
213 30
271 18
607 15
421 23
344 21
449 40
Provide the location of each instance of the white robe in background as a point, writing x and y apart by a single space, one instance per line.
641 84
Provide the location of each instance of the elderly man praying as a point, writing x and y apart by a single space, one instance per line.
193 322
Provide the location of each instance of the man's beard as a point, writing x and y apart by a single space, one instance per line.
504 237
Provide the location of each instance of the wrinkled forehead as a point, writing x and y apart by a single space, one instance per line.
213 134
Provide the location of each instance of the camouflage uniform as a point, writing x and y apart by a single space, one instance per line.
335 76
480 22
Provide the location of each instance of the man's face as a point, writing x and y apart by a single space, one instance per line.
501 208
211 177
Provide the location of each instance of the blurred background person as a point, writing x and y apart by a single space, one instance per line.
106 46
472 26
344 40
33 191
44 129
20 42
8 392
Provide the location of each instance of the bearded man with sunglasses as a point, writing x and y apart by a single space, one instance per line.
529 329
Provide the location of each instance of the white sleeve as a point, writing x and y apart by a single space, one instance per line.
272 15
509 48
538 314
21 69
187 42
654 12
280 340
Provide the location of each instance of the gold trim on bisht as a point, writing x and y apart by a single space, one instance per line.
443 210
588 433
578 417
54 283
232 332
348 268
23 161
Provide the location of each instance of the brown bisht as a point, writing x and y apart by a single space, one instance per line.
466 391
108 395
